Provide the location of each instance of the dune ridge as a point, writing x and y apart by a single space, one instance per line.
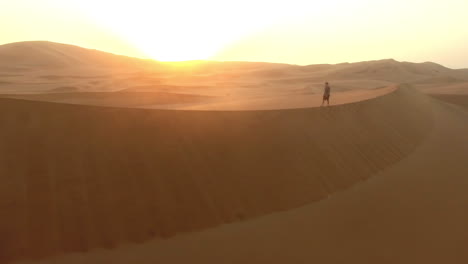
76 178
116 99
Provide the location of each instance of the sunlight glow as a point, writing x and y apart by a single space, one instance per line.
179 29
288 31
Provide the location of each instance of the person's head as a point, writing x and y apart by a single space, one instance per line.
326 83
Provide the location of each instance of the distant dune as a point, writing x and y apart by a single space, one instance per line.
45 67
40 55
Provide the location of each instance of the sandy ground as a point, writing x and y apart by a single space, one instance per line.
102 160
130 175
456 99
411 212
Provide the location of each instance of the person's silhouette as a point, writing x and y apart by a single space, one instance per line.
326 94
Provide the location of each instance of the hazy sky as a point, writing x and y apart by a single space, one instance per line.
293 31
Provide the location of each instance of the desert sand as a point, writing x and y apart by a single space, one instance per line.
130 161
411 212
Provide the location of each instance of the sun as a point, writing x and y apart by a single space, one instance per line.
179 30
177 42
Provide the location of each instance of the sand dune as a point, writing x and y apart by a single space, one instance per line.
410 212
90 177
96 177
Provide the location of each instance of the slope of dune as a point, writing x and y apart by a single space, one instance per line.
453 88
456 99
410 212
78 178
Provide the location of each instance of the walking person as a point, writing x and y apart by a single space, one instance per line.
326 94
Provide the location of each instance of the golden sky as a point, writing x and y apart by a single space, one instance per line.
293 31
